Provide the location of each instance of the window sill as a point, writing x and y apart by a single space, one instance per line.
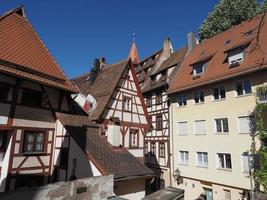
223 133
181 106
243 95
218 100
202 166
225 169
184 164
182 134
200 134
33 153
201 103
243 133
136 147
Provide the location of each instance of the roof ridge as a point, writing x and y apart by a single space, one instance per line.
231 28
119 62
10 12
80 76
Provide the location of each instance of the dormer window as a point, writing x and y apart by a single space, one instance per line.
235 56
200 67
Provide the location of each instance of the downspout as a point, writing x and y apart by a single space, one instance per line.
171 141
170 162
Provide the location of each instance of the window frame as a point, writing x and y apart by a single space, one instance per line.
34 143
223 165
197 95
183 101
162 150
158 98
159 124
222 126
220 88
202 164
184 157
242 83
149 101
130 103
131 133
182 122
196 129
235 52
238 123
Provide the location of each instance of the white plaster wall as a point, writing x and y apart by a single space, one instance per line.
4 170
234 142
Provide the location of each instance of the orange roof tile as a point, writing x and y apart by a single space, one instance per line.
20 46
216 49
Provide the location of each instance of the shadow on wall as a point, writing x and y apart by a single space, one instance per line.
157 182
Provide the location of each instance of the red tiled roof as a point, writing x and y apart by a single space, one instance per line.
216 47
22 49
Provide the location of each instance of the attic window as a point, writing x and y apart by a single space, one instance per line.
153 80
235 56
199 68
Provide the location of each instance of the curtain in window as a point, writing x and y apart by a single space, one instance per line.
29 140
39 142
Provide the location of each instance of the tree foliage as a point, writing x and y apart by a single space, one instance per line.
228 13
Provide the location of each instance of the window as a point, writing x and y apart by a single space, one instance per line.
244 124
159 122
243 88
200 127
221 125
4 89
162 149
127 103
153 80
158 98
227 195
224 161
184 157
202 159
219 93
146 148
33 141
149 101
181 100
153 148
182 128
199 68
133 138
245 163
199 97
3 138
235 56
31 98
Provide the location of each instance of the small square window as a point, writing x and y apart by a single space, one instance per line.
243 88
235 56
184 157
221 125
31 98
202 159
224 160
33 142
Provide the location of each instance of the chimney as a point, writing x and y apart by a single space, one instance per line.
192 41
167 48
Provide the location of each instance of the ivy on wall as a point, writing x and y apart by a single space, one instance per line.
260 173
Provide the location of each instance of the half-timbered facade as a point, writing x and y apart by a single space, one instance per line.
32 89
115 102
154 74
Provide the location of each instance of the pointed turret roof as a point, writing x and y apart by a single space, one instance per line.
133 54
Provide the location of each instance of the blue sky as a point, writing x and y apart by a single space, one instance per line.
78 31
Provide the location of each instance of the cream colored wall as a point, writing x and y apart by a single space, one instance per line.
234 142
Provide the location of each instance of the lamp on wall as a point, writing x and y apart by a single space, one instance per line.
177 176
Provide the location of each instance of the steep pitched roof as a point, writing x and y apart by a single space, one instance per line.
174 60
103 86
133 54
108 159
215 50
23 54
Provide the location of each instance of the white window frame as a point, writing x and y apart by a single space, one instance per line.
224 190
127 103
236 56
185 162
200 65
242 163
222 125
224 158
195 127
178 127
198 94
238 123
243 88
219 89
202 163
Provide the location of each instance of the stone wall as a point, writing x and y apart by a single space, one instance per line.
93 188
